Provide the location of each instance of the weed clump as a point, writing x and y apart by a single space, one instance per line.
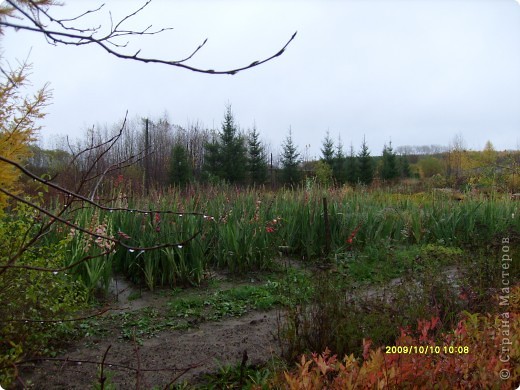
343 313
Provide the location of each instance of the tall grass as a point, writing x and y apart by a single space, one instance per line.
94 273
242 230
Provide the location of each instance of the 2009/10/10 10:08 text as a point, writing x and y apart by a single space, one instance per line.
425 349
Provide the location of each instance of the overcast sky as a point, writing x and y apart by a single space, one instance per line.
416 72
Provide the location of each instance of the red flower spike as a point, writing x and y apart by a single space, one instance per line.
353 234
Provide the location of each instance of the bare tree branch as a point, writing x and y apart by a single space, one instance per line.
73 19
119 165
74 36
96 235
93 203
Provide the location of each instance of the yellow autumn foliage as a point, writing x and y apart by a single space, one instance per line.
19 115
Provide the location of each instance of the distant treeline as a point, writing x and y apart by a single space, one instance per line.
157 153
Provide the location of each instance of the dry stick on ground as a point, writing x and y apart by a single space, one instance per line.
138 360
102 378
99 313
181 371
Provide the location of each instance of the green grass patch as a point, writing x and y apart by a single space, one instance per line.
387 260
242 299
189 307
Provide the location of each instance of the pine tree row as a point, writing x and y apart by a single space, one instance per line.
236 158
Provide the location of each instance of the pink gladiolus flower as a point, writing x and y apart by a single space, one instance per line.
123 235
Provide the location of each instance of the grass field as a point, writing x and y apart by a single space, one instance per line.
243 230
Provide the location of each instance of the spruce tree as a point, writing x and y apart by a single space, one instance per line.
327 150
290 171
338 167
180 168
227 157
233 150
389 164
257 162
365 164
351 167
212 161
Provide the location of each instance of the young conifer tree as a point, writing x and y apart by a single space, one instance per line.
257 161
327 150
338 167
290 161
180 167
233 150
389 169
226 158
365 164
351 167
404 166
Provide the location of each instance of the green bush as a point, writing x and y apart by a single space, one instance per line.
33 301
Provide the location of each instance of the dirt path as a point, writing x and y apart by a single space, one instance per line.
203 349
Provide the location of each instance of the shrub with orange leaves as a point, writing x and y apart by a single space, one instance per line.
483 352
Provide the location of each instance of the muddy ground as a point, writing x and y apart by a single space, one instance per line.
162 358
159 360
169 356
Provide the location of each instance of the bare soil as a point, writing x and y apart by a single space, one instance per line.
170 356
183 354
161 359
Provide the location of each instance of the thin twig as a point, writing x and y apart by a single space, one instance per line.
83 230
99 313
78 37
93 203
112 365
